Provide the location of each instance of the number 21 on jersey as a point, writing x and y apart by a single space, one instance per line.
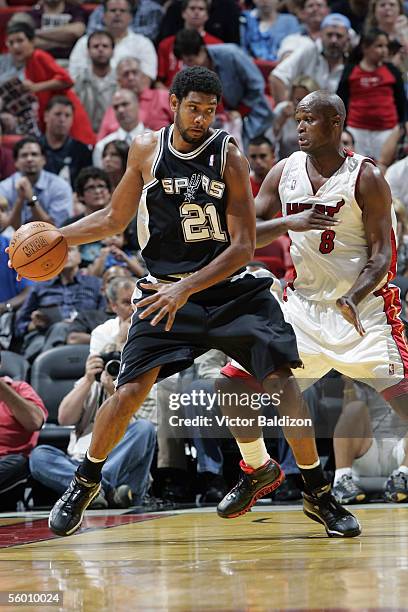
201 223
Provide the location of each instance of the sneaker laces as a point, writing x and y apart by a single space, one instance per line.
77 490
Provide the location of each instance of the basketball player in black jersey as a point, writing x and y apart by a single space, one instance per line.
190 187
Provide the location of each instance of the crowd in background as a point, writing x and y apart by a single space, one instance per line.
77 85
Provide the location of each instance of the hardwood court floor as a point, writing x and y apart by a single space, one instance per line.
270 559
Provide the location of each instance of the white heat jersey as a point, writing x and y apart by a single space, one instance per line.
327 262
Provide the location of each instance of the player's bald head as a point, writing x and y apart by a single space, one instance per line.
324 103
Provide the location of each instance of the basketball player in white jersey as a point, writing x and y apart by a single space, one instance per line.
343 310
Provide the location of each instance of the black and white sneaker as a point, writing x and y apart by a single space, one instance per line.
66 515
322 507
396 488
346 491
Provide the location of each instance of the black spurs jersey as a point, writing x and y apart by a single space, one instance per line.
181 218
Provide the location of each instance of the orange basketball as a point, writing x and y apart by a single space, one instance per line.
38 251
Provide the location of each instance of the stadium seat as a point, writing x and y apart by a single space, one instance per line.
14 365
54 373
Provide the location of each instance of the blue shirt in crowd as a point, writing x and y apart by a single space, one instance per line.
9 286
54 194
265 45
242 83
84 293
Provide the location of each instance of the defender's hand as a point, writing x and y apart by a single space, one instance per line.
350 312
6 250
310 220
167 299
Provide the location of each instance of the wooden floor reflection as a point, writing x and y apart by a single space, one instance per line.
267 560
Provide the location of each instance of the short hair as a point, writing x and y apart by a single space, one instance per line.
130 4
326 103
100 33
21 26
90 173
196 78
260 140
59 100
188 42
27 140
185 4
116 284
128 58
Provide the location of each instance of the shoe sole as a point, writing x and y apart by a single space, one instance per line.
352 500
332 534
396 498
264 491
77 526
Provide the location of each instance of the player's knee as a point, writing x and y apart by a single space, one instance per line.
130 396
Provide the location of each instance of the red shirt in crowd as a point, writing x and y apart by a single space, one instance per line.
154 112
40 67
371 99
169 65
13 437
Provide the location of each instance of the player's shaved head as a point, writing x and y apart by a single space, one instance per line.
325 103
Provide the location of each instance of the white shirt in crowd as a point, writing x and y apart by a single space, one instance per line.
120 134
132 45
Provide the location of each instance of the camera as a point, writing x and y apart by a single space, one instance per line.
111 363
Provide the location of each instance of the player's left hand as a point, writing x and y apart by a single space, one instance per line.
350 312
167 299
10 265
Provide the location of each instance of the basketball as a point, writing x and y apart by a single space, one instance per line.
38 251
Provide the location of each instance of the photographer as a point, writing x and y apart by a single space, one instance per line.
125 475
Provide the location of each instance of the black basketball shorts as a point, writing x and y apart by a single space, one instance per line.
240 318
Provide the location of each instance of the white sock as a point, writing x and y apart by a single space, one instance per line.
254 453
403 469
93 458
347 471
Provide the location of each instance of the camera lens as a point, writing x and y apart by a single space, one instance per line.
112 367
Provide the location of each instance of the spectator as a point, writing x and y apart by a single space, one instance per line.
118 16
261 157
147 16
12 292
93 189
347 140
114 253
154 108
311 16
323 61
264 28
65 156
242 83
284 125
58 24
396 176
114 161
42 77
195 16
80 329
126 109
119 293
388 16
96 82
125 475
373 93
54 301
33 193
369 440
223 20
22 414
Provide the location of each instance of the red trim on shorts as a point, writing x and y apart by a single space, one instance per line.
231 371
400 388
393 266
392 310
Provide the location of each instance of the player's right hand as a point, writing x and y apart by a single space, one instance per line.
349 311
310 220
